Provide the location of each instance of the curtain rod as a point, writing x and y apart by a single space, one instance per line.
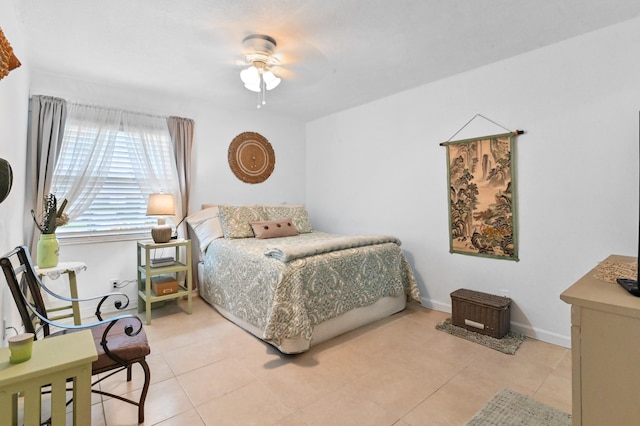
109 107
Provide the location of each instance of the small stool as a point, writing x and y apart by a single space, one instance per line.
69 268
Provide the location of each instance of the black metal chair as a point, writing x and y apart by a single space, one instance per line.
120 341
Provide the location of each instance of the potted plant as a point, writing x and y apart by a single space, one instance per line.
48 249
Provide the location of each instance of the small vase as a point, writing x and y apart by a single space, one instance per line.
48 251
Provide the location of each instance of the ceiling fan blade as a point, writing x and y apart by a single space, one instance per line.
300 60
283 72
297 59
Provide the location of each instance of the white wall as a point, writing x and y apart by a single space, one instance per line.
14 90
380 168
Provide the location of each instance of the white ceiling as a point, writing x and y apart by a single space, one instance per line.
336 54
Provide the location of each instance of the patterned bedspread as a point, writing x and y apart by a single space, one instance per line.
286 299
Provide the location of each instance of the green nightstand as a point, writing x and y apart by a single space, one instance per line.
182 263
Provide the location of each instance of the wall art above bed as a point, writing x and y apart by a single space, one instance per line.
251 157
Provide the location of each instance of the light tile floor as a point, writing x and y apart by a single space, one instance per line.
398 371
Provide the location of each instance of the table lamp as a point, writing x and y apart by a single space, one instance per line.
161 205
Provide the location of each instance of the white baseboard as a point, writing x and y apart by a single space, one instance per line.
435 305
543 335
527 330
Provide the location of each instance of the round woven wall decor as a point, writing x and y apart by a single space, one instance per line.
251 157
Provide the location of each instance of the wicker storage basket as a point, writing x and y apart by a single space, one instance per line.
481 312
164 284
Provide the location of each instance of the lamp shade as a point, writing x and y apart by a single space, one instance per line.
161 205
250 76
270 80
252 81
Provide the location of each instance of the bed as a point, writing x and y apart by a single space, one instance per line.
264 268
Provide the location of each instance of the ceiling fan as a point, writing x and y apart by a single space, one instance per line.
265 62
259 57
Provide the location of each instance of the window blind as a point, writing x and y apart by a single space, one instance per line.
120 205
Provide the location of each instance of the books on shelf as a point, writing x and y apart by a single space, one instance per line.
156 262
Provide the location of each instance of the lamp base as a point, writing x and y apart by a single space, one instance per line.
161 233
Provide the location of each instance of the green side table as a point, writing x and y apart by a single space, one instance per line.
181 264
53 361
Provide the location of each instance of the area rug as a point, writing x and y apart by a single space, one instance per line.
509 344
512 408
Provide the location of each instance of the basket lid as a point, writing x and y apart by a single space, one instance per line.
482 298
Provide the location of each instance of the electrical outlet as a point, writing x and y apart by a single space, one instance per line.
114 283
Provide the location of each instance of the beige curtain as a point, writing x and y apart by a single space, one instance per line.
181 131
47 116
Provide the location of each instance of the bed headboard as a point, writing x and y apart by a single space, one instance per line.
202 227
205 225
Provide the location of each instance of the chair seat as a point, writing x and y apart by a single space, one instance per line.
128 348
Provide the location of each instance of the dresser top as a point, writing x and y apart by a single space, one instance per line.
593 293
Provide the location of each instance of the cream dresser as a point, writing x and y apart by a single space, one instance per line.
605 341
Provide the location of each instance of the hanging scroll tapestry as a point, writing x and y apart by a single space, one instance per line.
482 201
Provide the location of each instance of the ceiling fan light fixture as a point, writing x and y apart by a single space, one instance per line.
250 75
253 87
251 78
270 80
257 77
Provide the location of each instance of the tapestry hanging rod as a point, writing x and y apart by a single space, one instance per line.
515 132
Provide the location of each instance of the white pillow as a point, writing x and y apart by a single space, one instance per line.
206 224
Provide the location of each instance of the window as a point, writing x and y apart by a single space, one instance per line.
109 163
